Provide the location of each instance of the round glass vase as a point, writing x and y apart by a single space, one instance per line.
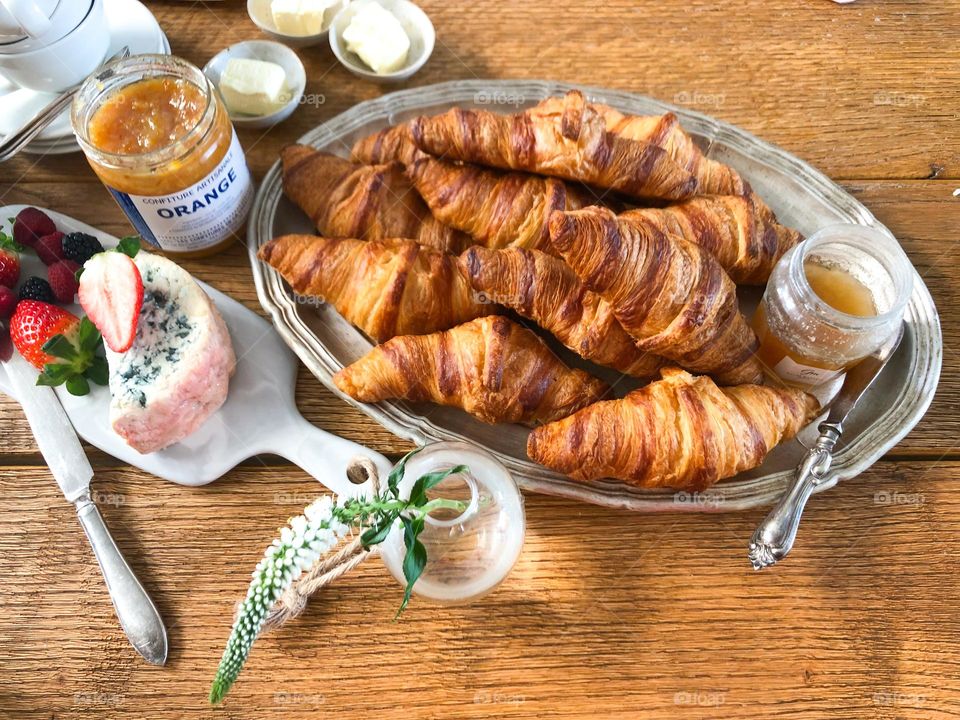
469 553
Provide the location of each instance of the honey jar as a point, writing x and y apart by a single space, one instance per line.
156 132
831 301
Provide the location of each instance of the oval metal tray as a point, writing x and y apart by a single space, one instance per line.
801 196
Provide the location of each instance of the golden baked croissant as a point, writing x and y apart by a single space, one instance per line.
542 288
670 295
385 287
491 367
392 144
568 141
713 178
495 208
367 202
740 231
680 432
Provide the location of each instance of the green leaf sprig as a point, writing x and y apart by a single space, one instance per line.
309 536
78 361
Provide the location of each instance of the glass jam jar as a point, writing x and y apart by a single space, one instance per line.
156 132
831 301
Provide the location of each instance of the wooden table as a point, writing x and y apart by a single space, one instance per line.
608 614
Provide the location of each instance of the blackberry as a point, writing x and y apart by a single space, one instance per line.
80 247
37 288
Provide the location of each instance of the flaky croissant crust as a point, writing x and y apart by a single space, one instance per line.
670 295
491 367
680 432
385 288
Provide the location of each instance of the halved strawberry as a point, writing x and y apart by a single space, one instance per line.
111 293
59 344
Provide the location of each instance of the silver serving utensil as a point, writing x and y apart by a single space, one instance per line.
19 139
774 537
63 453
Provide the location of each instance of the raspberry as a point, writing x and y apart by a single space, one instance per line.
50 248
63 280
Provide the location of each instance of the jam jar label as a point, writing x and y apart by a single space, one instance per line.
199 216
793 372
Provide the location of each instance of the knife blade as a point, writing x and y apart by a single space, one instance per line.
63 453
774 537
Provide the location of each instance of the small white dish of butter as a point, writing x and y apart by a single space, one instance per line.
385 40
296 23
261 82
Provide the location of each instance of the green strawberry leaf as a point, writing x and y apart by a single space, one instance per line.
88 337
59 346
129 246
78 385
99 371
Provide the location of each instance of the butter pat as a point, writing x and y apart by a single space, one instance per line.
252 87
376 35
301 17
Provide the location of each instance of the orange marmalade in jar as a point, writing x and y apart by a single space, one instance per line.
156 133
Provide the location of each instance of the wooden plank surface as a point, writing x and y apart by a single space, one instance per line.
608 614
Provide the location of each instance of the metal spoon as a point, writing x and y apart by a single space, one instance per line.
774 537
19 139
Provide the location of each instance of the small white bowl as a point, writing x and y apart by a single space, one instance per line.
259 12
271 52
415 23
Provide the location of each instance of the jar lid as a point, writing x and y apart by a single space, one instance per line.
468 553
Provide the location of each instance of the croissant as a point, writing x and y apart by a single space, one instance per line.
392 144
740 231
680 432
368 202
713 178
670 295
568 141
496 209
491 367
386 288
542 288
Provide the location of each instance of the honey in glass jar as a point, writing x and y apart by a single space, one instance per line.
156 132
831 301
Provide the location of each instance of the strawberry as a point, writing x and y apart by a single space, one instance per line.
49 248
59 344
8 301
63 280
111 293
30 225
9 261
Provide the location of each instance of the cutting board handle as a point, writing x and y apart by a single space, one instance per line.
325 456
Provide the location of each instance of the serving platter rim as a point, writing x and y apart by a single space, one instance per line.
924 343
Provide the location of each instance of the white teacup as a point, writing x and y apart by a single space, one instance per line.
62 63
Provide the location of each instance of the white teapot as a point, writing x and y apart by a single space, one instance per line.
51 45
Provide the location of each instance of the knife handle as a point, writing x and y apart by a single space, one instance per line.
137 614
774 537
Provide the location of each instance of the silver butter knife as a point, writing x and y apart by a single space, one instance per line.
774 537
62 451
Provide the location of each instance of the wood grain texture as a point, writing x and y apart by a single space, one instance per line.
608 614
660 618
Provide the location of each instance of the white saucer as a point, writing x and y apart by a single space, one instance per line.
131 24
